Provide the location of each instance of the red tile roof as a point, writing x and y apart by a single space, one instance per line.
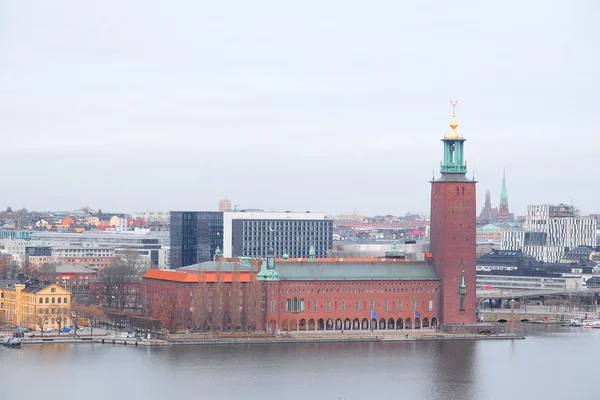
173 276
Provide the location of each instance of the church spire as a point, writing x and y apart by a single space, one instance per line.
503 213
454 162
503 192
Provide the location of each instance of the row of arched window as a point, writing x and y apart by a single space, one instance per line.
294 305
54 300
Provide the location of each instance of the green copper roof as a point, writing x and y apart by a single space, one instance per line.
355 271
226 266
267 274
503 192
490 228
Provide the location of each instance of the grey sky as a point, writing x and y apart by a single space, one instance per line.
321 105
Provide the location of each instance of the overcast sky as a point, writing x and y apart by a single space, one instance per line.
332 106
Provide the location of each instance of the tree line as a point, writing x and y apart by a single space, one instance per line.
217 305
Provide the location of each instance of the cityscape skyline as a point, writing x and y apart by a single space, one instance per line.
337 100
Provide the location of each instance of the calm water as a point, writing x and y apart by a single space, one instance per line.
553 363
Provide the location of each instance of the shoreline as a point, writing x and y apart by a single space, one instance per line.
265 341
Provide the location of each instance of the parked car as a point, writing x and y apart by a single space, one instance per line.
80 328
47 330
65 330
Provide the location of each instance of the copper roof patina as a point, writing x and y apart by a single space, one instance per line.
375 271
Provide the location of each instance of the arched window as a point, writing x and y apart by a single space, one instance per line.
1 306
301 305
47 300
53 311
2 295
53 300
296 305
288 304
65 300
59 300
41 300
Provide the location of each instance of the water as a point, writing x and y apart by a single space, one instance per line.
552 363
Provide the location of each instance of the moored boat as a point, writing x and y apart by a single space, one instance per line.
6 340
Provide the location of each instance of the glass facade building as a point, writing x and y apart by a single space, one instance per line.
254 237
195 236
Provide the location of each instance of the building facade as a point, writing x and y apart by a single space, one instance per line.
34 304
195 236
551 231
453 237
225 205
251 234
378 294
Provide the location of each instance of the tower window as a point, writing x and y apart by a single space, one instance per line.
457 190
463 191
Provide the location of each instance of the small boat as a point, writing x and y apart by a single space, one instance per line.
574 322
591 324
6 340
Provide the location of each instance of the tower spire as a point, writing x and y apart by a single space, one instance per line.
453 124
454 162
503 214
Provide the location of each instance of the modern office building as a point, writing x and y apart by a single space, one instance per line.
251 234
195 236
551 231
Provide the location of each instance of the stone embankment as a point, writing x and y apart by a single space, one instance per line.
294 337
502 316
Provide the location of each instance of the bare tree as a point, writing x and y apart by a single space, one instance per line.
93 314
108 278
120 281
235 301
219 299
254 297
41 321
170 313
200 312
60 318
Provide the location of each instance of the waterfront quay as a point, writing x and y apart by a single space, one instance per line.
267 338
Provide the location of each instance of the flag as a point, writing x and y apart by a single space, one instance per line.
417 315
373 315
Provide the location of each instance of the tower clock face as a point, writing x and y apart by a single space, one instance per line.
452 147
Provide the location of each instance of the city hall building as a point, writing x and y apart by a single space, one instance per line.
299 293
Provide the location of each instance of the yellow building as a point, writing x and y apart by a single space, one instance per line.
36 305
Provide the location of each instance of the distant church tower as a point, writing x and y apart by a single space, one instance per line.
453 216
486 211
503 215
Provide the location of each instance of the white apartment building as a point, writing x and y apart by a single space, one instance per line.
252 233
550 231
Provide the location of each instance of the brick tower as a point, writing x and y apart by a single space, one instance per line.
453 216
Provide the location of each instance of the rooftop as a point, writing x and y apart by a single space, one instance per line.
183 277
367 270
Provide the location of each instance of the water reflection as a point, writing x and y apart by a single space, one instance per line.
430 370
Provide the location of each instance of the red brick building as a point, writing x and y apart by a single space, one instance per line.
336 294
303 295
